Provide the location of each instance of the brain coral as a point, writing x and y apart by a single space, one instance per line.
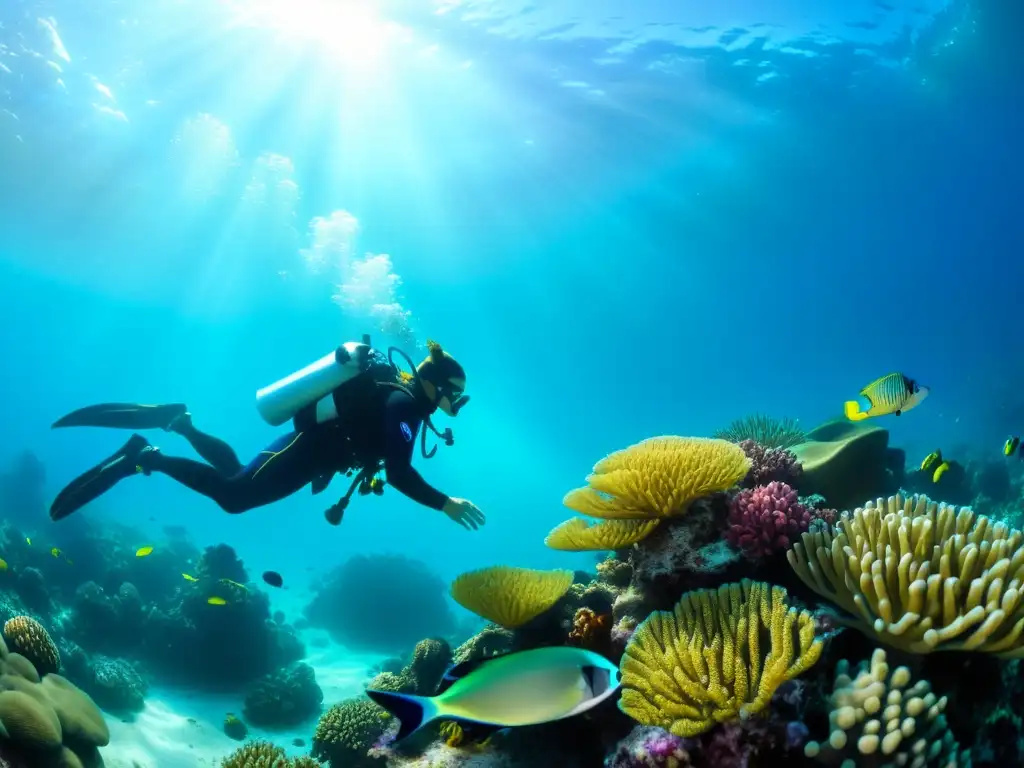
28 637
49 721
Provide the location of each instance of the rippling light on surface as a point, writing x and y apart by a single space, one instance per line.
350 32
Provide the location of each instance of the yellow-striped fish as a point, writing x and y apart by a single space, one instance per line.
892 394
189 577
234 584
931 460
940 470
143 551
217 601
1011 445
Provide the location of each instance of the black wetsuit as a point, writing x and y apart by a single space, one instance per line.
385 430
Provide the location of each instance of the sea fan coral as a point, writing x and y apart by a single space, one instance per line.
579 535
508 596
770 464
766 519
29 638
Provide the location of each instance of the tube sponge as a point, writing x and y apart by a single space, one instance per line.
510 596
879 719
702 664
922 576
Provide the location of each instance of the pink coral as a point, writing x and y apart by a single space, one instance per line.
766 519
770 464
648 747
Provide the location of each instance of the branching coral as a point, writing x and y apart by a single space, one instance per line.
922 576
879 719
507 596
28 637
766 520
766 430
264 754
702 663
632 490
770 464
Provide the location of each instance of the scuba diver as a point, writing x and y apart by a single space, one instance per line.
353 411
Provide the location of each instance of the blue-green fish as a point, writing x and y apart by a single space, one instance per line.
523 688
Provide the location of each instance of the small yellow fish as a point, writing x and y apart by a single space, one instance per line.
28 541
55 552
931 460
940 471
3 564
891 394
143 551
189 577
1010 446
235 584
217 601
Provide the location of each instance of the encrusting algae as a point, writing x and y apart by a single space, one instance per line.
922 576
702 664
632 490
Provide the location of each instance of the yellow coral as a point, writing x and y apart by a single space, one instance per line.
701 664
510 596
922 576
578 535
28 637
452 734
633 489
658 477
879 713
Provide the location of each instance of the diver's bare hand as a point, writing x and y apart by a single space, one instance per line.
465 513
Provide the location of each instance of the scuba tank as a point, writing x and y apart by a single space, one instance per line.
282 400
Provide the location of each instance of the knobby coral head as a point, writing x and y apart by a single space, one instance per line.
766 519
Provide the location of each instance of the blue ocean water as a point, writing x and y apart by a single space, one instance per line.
625 219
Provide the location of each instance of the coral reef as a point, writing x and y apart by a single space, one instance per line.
766 519
46 721
632 490
764 430
347 731
921 576
284 698
510 597
848 462
115 685
264 754
29 638
348 604
878 716
770 465
702 663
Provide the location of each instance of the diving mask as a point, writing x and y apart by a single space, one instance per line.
456 396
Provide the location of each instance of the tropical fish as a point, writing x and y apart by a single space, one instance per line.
143 551
892 394
522 688
217 601
28 541
55 552
273 578
3 564
1010 446
942 469
234 584
189 577
931 460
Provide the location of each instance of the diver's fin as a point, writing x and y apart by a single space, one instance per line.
123 416
853 412
319 483
413 712
100 479
458 671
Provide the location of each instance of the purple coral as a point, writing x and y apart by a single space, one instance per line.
649 747
766 519
770 465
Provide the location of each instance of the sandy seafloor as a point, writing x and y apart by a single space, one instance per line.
181 728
